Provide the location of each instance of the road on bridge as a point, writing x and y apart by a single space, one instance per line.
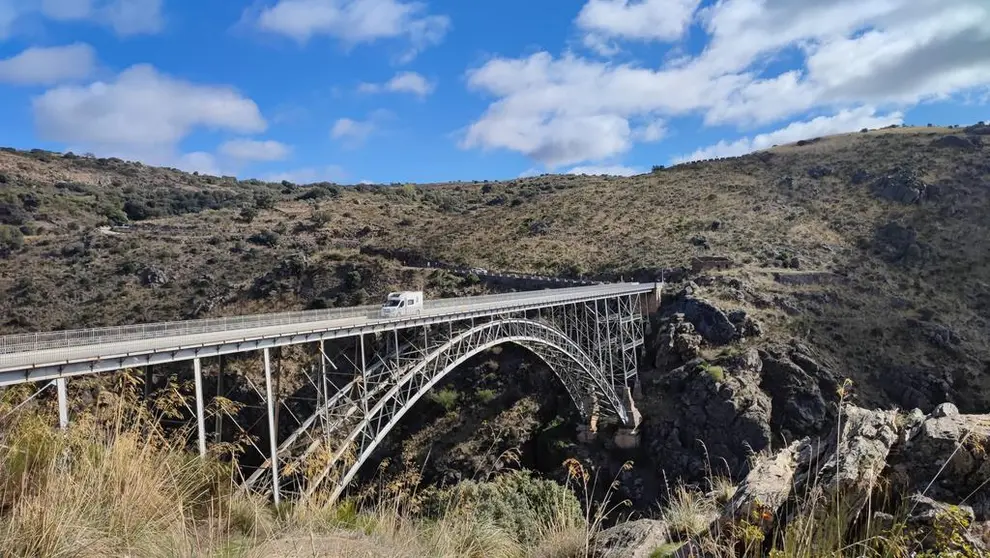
21 353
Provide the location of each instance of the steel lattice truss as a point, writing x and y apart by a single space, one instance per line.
365 382
592 348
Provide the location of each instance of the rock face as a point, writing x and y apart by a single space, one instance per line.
633 539
963 440
677 343
902 186
803 391
900 244
934 462
710 415
152 276
711 322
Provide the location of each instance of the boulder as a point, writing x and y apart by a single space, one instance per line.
902 186
803 392
853 467
947 455
633 539
711 322
152 276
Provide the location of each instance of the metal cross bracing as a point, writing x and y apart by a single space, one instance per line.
314 431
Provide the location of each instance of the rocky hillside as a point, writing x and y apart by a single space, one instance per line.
867 247
845 270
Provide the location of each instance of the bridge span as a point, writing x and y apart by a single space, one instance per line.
366 371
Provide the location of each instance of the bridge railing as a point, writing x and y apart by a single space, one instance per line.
41 341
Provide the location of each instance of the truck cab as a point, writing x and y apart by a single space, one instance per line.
402 304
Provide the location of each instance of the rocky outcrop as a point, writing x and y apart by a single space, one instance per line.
710 416
677 343
901 186
710 321
152 276
714 325
937 464
950 449
803 391
633 539
955 142
900 244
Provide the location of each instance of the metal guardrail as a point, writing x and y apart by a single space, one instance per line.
26 342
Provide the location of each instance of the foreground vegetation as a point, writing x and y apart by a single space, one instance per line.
114 484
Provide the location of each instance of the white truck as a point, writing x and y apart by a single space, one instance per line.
402 304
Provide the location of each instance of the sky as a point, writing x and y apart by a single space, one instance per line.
386 91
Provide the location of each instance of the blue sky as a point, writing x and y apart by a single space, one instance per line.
399 91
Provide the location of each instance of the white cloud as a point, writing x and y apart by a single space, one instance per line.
255 150
356 21
643 20
354 132
612 170
141 114
126 17
199 161
845 53
309 175
49 65
402 82
842 122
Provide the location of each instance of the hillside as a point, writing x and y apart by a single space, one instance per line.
862 257
868 247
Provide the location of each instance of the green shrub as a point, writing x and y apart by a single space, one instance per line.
11 239
248 214
522 505
446 398
486 396
716 372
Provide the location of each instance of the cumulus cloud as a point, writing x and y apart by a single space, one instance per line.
613 170
125 17
199 161
141 114
255 150
847 54
356 21
402 82
842 122
353 131
642 20
49 65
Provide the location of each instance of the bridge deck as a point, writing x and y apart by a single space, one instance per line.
26 352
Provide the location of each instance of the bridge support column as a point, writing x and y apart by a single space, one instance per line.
63 403
272 433
200 418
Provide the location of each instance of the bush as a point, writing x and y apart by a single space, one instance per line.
136 210
486 396
265 238
264 200
11 239
319 192
321 218
524 506
446 398
657 168
248 214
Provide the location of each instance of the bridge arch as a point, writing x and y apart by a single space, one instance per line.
583 378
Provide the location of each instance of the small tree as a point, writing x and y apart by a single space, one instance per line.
657 168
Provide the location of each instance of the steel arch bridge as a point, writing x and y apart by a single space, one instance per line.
366 371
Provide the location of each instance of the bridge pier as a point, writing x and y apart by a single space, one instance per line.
272 432
200 418
63 403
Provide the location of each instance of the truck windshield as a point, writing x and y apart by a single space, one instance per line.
392 303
